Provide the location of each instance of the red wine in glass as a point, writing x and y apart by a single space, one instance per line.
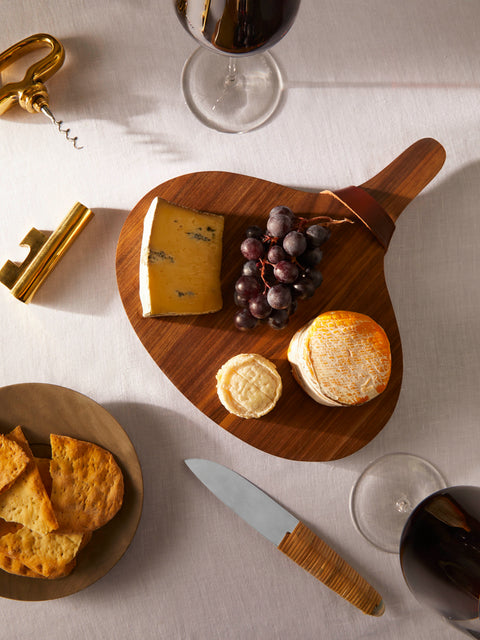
440 555
239 89
237 27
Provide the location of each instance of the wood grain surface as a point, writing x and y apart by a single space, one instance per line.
191 349
42 409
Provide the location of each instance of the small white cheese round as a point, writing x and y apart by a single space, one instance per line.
249 385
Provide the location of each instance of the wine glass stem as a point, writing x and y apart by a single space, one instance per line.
231 78
402 505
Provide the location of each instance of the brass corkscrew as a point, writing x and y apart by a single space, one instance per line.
31 93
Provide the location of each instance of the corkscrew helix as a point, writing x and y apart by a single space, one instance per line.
31 93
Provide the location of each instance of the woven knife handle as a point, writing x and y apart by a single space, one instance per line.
315 556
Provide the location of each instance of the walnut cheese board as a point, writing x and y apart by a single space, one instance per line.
191 349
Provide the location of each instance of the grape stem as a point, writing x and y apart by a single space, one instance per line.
301 223
262 274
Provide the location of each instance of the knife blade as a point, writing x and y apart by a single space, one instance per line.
288 534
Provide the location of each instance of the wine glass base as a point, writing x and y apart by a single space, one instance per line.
232 103
387 492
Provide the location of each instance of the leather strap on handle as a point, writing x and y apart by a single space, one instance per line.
365 207
315 556
379 201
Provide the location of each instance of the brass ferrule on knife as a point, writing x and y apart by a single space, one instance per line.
24 279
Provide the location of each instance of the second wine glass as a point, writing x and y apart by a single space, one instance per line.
401 504
386 493
231 83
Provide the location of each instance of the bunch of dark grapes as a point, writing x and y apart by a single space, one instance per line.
280 268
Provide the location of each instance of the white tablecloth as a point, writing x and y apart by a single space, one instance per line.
364 79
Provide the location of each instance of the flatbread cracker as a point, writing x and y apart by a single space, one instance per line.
8 527
13 461
87 484
49 555
43 466
14 566
26 501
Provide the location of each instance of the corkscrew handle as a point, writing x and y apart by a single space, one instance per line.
30 93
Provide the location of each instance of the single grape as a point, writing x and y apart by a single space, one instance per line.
259 307
279 296
244 320
295 243
317 235
251 248
283 210
279 225
250 268
317 277
240 300
286 272
276 253
311 257
278 319
254 231
248 286
304 288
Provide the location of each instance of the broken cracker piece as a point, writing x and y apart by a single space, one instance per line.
49 555
26 501
13 461
15 567
43 466
87 484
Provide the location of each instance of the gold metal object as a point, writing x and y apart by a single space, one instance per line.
206 10
24 279
31 93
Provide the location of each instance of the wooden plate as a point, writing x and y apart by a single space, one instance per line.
42 409
191 349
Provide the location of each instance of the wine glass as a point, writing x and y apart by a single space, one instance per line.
385 494
401 504
239 89
440 555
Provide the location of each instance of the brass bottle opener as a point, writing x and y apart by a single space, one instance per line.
24 279
31 93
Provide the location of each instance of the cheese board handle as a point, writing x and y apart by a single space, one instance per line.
379 201
402 180
315 556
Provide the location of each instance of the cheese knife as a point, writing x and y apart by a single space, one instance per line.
288 534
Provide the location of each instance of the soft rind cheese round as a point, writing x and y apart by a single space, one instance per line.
341 358
249 385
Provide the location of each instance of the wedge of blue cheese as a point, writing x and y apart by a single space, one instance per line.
180 261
